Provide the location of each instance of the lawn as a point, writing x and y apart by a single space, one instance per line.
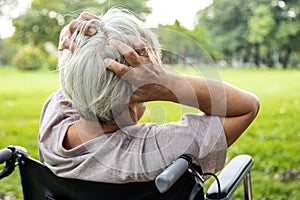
273 139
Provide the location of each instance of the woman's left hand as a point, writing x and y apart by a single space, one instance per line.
145 74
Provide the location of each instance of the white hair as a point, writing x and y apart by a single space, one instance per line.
95 92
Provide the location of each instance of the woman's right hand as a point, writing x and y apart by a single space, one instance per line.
67 31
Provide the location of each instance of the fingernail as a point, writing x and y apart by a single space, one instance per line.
91 31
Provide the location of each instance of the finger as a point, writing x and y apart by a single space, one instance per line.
87 16
88 30
64 43
122 47
148 46
150 53
142 46
143 52
68 30
136 42
130 55
73 25
139 45
118 68
65 31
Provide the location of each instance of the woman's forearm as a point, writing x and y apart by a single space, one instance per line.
212 97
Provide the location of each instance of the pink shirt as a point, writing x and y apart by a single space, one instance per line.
131 154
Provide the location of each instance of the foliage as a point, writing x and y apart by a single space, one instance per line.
273 139
178 50
181 45
261 32
287 17
226 22
254 31
43 22
202 36
7 51
51 63
21 97
29 58
260 24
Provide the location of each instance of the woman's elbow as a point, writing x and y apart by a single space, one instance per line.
255 106
234 127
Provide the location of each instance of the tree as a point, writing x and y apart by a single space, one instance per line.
287 18
43 22
202 35
176 51
254 29
226 22
28 58
183 45
261 24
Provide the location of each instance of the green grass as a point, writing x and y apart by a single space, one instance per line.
22 95
273 139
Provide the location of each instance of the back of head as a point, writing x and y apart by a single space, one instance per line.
97 93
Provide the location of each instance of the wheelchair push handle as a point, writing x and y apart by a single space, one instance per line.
5 155
171 174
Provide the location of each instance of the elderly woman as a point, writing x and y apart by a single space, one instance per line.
109 67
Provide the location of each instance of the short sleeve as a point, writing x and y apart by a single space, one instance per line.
57 115
197 134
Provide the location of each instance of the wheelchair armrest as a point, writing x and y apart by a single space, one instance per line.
230 177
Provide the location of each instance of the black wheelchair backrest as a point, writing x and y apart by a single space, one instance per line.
39 182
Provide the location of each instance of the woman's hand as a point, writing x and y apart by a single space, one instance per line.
67 31
145 74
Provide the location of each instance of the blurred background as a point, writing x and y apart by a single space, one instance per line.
252 44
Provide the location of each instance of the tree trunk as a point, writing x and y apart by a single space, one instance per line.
246 55
257 55
270 61
286 58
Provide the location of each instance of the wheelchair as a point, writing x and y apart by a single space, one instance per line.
182 179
